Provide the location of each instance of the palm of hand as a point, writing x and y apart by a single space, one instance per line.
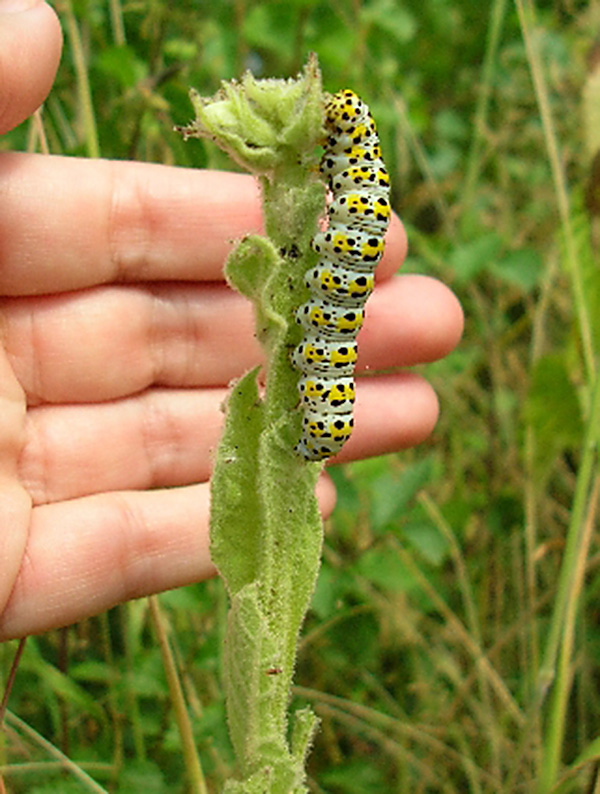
119 338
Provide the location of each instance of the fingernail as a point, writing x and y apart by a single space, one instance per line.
15 6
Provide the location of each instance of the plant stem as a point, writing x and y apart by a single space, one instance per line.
83 84
191 758
560 635
526 14
497 15
69 766
265 528
116 19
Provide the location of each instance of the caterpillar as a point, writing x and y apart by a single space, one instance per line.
339 285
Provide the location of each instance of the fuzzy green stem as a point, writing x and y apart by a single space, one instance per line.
266 532
272 585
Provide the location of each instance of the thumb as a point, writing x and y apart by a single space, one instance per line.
30 45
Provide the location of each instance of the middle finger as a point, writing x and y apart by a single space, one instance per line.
107 343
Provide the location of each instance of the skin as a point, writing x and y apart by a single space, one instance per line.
119 338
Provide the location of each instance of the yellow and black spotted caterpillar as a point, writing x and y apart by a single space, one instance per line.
341 282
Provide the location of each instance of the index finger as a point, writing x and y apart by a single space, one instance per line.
69 223
30 45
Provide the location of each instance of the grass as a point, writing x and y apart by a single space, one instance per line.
453 644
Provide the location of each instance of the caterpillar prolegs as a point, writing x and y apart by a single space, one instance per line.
341 282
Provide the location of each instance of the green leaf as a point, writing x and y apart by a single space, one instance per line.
92 670
385 569
62 784
427 541
357 638
348 497
357 777
392 492
334 47
523 268
333 587
589 756
143 776
122 64
180 49
234 488
326 593
303 730
589 753
61 685
473 257
271 27
391 17
444 160
250 652
553 411
504 513
258 693
451 125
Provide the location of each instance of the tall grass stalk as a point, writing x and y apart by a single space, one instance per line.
190 755
558 707
37 134
556 665
113 708
126 613
116 21
84 90
474 649
559 645
473 623
496 21
422 160
67 765
380 729
11 678
525 9
531 737
403 733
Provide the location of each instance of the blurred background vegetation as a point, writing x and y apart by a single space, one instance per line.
461 578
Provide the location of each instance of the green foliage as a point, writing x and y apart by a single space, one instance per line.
120 64
425 650
143 776
266 531
475 257
235 553
553 410
356 778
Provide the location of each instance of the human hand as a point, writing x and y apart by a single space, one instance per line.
119 337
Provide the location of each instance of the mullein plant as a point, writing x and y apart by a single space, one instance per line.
266 531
